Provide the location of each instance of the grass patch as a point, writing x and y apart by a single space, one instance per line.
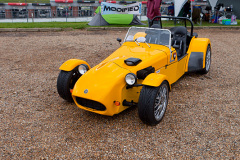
82 25
74 25
179 23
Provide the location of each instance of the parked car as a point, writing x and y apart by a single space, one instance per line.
43 14
140 72
2 14
22 13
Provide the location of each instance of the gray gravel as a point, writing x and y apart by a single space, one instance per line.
202 119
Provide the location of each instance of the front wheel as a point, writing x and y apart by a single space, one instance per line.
153 103
65 83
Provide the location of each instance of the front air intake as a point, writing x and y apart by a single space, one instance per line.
90 104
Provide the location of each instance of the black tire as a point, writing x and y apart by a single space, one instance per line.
65 82
147 103
207 61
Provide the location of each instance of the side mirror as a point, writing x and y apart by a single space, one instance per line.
119 40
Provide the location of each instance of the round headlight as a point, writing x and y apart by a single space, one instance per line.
130 79
83 68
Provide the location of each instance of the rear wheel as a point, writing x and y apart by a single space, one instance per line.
153 103
207 61
65 82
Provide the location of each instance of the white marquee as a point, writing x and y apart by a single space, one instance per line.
178 4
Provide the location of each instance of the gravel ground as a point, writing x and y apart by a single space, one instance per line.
201 122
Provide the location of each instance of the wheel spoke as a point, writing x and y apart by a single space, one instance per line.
157 113
208 60
160 102
157 100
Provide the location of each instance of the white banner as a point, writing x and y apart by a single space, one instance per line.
111 8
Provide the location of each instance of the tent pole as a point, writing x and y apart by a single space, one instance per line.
191 9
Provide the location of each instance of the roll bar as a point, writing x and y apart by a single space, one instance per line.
182 18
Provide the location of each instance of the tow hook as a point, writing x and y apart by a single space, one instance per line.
126 103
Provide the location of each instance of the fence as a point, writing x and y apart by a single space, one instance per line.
61 15
56 13
68 15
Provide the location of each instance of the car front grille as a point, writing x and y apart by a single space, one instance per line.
90 104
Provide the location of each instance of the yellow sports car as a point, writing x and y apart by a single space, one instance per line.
140 72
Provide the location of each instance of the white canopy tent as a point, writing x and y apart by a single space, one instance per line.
213 3
178 4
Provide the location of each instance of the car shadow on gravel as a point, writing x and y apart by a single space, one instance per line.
128 117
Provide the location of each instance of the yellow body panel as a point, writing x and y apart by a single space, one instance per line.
104 85
155 79
175 68
198 45
71 64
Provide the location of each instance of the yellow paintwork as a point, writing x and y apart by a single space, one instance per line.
198 45
154 79
71 64
104 85
106 81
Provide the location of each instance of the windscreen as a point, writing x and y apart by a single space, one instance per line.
152 35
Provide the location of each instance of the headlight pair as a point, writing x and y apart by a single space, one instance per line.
130 78
83 68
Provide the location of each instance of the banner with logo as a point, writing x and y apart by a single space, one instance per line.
111 8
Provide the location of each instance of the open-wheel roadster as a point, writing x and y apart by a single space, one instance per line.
140 72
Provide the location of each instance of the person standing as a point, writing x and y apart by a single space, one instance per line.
153 10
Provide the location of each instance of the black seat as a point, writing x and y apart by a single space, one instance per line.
179 40
172 31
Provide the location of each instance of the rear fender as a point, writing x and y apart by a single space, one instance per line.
197 53
155 80
71 64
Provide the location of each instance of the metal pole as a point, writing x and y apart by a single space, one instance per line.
66 14
191 9
26 10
